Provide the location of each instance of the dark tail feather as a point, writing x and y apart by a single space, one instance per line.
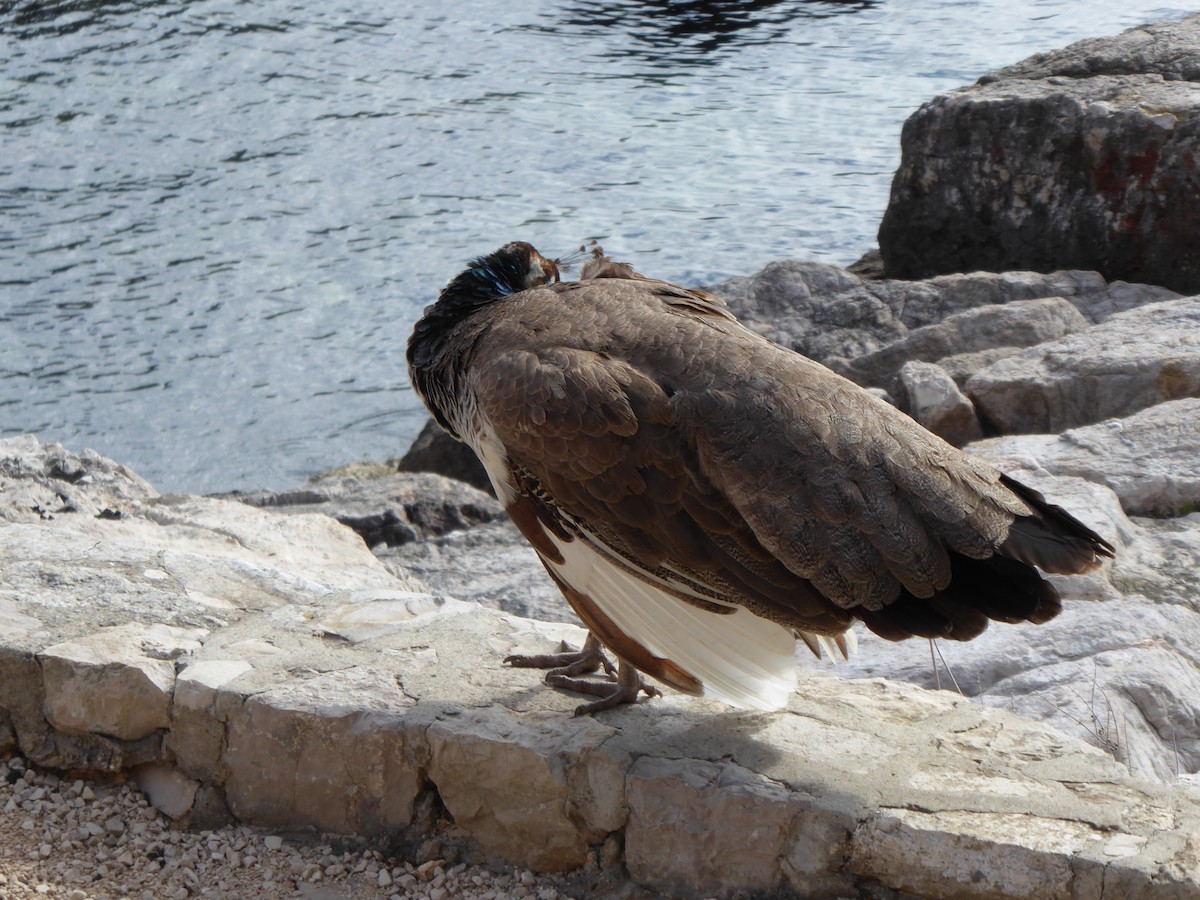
1005 586
1053 539
907 617
1004 589
980 589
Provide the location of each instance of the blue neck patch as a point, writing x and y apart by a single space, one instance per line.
487 275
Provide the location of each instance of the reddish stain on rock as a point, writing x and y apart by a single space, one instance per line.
1113 176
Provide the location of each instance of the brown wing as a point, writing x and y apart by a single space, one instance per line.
700 450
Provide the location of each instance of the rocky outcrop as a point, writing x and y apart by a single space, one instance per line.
827 313
39 482
995 326
1117 668
1029 352
934 400
387 508
1133 360
422 524
271 670
1081 158
1150 460
986 332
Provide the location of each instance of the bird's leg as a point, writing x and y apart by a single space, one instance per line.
626 689
567 662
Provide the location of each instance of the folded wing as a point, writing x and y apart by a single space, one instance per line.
703 495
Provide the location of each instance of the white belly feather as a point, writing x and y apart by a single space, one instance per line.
740 658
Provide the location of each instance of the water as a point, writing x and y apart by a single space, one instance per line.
220 219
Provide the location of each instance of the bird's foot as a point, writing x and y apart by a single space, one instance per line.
619 684
625 688
567 662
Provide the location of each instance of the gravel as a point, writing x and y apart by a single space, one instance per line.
85 839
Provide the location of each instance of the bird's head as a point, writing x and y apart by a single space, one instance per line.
513 268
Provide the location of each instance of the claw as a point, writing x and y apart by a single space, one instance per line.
625 688
619 684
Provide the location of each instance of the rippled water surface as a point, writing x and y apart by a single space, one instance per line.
220 219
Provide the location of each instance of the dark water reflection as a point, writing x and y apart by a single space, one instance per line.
219 219
671 33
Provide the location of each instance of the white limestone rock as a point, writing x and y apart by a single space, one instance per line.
170 562
508 780
197 736
1131 361
1020 323
826 312
328 751
328 694
167 789
698 827
1119 670
983 855
16 623
41 481
1150 459
375 613
876 781
117 681
935 401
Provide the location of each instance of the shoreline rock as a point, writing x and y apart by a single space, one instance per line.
1080 158
253 661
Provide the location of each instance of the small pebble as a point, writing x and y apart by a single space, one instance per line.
426 869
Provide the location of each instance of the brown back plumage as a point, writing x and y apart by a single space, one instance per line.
708 455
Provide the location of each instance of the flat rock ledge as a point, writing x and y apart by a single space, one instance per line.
243 663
